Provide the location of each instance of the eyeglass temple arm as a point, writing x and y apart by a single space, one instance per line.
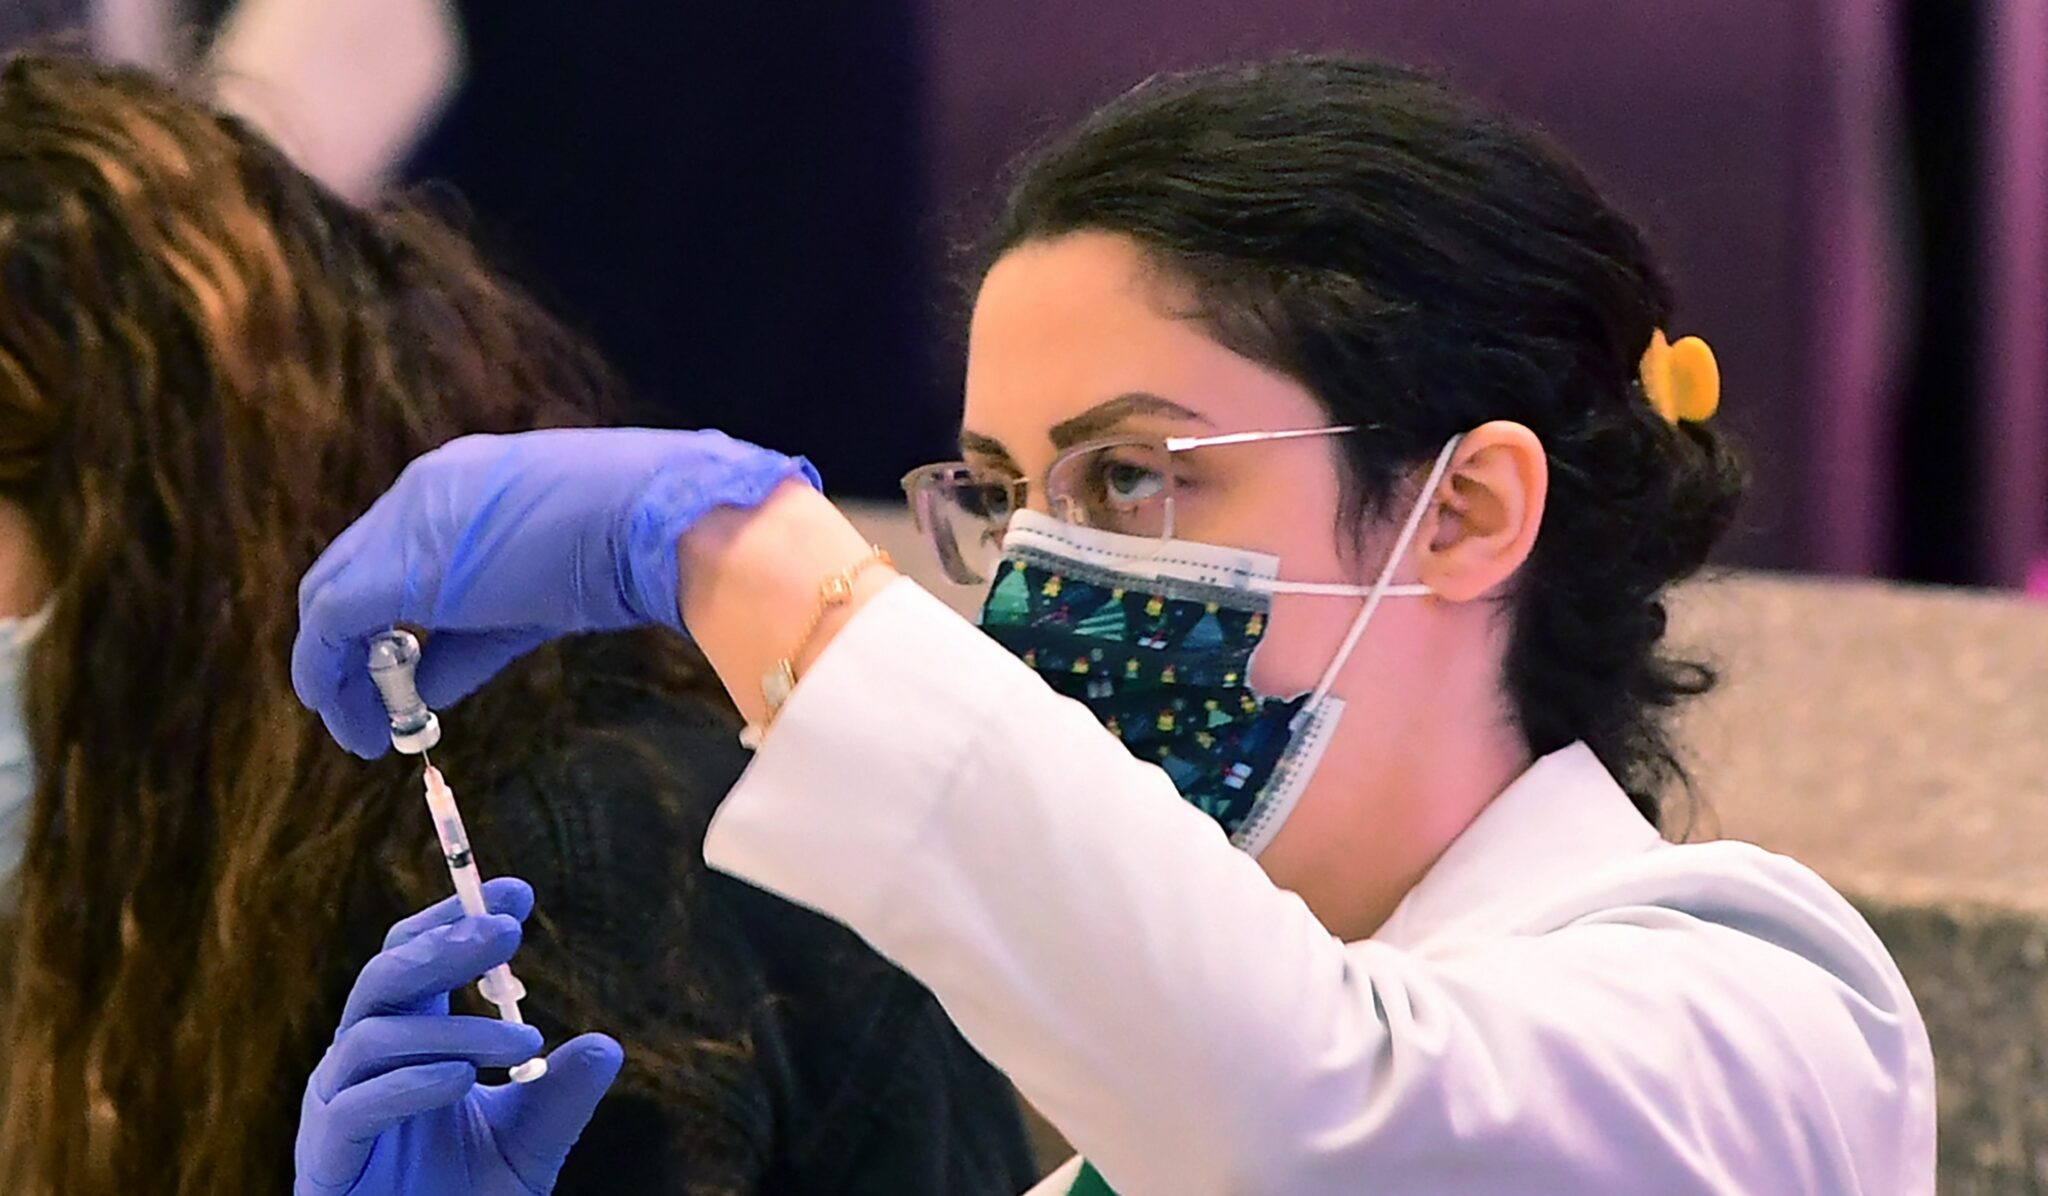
1176 444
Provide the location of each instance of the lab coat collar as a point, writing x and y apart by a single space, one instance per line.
1558 821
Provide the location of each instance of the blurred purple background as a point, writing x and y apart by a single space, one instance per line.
752 208
1817 173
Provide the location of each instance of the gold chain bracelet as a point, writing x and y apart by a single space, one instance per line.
780 679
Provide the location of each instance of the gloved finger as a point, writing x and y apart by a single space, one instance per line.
409 977
331 644
332 680
537 1123
457 663
376 1045
372 577
502 895
355 717
354 1118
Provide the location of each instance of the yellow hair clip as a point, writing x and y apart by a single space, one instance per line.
1682 381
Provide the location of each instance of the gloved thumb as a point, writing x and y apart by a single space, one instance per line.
536 1124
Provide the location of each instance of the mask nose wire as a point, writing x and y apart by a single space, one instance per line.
1386 577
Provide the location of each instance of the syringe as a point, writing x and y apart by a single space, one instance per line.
499 986
394 655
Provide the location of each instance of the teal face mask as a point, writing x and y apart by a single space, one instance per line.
1155 637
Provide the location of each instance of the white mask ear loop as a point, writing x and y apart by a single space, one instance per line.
1380 588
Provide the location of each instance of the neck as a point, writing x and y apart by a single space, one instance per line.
1387 801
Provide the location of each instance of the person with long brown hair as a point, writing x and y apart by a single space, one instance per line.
208 366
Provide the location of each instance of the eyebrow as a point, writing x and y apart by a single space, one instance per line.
1093 424
986 446
1100 420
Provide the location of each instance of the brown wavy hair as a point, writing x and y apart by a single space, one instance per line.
208 366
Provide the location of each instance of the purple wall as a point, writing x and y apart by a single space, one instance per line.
1747 136
2014 462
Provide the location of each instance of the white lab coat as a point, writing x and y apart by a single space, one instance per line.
1565 1004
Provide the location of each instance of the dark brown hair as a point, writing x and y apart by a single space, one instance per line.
208 366
1424 266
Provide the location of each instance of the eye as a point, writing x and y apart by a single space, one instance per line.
984 499
1128 483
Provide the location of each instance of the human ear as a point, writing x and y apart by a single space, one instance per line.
1488 507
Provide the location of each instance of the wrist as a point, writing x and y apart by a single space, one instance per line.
751 591
792 540
707 478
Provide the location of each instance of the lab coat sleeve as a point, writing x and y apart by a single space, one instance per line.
1194 1029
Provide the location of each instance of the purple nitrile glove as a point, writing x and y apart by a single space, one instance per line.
497 544
394 1106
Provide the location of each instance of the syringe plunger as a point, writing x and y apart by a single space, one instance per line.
394 656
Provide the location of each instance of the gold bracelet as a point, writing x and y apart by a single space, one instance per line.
780 679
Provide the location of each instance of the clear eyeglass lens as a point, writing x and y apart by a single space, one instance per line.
1125 488
964 513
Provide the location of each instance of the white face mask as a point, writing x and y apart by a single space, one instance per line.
17 761
1155 637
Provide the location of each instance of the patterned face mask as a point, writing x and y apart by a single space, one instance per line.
1156 637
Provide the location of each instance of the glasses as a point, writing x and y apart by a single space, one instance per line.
1127 485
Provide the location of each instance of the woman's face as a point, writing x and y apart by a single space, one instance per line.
1075 339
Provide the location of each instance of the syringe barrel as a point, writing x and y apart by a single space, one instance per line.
498 986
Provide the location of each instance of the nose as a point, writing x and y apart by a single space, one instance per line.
1035 492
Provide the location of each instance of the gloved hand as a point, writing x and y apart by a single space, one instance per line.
394 1106
496 544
